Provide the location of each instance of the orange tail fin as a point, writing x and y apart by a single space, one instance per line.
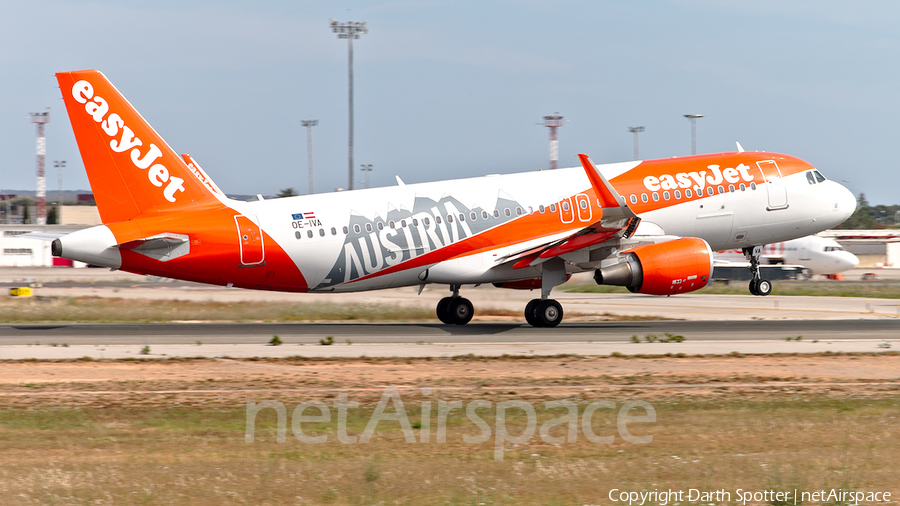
131 169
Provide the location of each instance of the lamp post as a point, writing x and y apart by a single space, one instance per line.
693 118
60 165
309 123
366 167
636 131
350 30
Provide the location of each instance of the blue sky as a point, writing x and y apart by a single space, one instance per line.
455 89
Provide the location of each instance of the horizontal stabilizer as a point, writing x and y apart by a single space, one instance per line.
162 247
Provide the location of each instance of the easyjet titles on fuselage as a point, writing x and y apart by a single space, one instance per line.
97 107
700 179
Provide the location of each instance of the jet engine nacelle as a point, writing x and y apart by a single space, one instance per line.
665 268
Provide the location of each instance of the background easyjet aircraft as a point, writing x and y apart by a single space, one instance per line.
651 225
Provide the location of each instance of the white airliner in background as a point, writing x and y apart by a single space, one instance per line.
651 226
820 255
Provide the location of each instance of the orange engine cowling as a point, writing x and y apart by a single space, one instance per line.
665 268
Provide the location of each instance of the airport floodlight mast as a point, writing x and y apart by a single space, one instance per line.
60 165
693 118
309 123
350 30
40 119
366 167
553 122
636 131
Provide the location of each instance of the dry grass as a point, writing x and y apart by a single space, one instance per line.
162 433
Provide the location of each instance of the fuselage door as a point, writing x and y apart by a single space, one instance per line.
774 186
250 239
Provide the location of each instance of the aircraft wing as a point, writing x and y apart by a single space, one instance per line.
616 218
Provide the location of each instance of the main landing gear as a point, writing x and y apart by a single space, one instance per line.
455 310
543 313
758 286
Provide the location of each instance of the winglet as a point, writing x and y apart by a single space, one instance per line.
739 147
605 192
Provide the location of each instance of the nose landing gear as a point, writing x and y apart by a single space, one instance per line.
758 286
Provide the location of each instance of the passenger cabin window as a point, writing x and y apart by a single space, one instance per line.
484 215
321 232
752 186
473 216
297 234
677 194
334 230
666 194
552 208
347 231
565 206
541 209
633 198
368 227
355 229
507 212
644 198
688 193
380 225
496 213
743 187
310 234
709 190
655 197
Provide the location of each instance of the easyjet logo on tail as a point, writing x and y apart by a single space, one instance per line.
700 179
114 126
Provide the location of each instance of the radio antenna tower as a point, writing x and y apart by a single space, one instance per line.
553 122
40 119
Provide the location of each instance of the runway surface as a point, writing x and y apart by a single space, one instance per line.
434 340
385 333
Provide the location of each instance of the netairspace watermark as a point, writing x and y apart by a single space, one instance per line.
745 497
644 412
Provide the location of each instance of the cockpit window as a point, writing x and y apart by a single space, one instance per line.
810 178
819 177
833 248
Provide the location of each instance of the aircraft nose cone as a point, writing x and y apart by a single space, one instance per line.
845 202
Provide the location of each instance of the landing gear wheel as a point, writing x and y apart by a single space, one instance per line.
753 284
460 310
548 313
530 316
443 311
763 287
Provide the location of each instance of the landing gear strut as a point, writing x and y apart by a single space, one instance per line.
455 310
758 286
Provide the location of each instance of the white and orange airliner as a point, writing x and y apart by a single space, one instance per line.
651 226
